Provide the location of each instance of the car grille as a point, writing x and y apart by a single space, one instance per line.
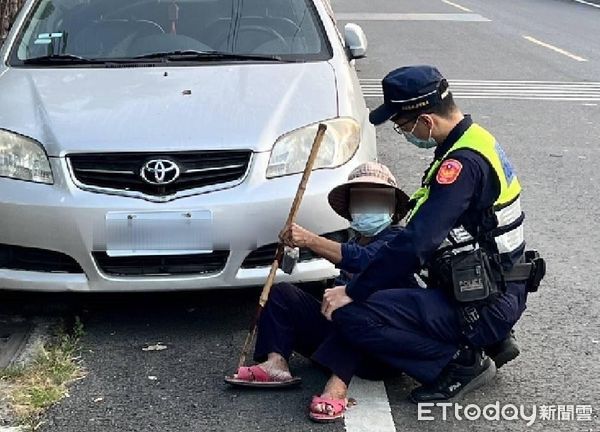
162 265
38 260
122 171
264 256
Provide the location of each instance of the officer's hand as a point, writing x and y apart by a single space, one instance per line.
333 299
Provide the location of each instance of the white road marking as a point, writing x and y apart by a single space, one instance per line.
588 3
372 413
553 48
367 16
457 6
515 90
593 83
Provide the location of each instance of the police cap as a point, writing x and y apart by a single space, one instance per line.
408 91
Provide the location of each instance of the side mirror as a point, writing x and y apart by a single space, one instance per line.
356 41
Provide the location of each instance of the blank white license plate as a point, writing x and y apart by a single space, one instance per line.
158 233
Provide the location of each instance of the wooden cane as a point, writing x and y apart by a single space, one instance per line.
280 247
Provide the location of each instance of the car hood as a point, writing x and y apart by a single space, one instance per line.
241 106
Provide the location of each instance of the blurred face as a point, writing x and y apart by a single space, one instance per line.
364 199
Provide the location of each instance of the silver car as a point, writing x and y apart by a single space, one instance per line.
157 144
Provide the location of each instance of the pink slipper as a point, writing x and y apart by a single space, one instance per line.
338 406
255 376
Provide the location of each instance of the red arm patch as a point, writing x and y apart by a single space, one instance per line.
449 171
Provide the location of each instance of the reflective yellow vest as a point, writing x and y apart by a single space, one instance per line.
507 207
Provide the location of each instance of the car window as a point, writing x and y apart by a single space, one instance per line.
117 29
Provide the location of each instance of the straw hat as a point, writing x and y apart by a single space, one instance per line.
369 174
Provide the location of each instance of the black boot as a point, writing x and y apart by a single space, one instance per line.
503 351
468 370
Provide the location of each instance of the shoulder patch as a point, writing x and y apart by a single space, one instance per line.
449 171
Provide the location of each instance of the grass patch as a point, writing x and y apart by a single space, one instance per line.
44 381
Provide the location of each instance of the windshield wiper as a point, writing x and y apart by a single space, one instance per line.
179 55
61 59
192 55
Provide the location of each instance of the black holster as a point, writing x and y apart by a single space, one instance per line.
531 270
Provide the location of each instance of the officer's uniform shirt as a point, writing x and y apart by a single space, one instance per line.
461 202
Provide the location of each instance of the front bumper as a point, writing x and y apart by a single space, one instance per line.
69 220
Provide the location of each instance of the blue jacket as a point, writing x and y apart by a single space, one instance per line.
356 258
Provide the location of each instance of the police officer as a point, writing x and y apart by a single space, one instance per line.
469 203
470 197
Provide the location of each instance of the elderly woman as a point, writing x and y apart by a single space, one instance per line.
293 320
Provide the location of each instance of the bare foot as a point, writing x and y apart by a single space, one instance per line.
334 389
276 367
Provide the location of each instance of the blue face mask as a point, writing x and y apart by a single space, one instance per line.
370 224
421 143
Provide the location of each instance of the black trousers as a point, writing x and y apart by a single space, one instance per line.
411 330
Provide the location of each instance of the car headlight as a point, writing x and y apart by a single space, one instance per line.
290 152
23 159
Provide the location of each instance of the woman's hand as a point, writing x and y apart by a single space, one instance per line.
333 299
297 236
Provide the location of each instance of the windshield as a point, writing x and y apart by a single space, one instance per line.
65 30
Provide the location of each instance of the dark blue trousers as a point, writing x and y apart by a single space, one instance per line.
410 330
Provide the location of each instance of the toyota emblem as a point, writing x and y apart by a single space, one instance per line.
160 172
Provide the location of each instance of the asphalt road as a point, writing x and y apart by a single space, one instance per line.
526 70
